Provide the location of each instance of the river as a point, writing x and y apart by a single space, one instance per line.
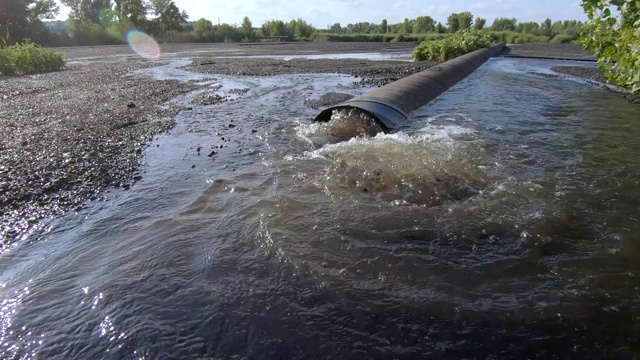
503 219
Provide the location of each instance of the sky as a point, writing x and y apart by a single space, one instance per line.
323 13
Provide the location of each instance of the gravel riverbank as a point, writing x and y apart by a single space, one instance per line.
67 137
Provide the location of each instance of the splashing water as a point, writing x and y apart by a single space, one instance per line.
143 44
345 124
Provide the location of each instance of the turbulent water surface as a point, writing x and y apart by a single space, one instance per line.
502 220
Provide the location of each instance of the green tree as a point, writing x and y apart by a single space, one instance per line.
203 30
247 28
407 27
441 29
504 24
336 28
459 21
615 39
86 10
228 33
167 16
557 28
384 26
545 28
424 24
274 28
42 9
361 28
531 27
299 28
480 23
453 23
14 20
91 9
133 11
20 19
466 20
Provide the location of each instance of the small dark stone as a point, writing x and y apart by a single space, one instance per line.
193 166
131 105
231 126
254 131
211 153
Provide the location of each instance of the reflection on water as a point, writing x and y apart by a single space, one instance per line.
500 221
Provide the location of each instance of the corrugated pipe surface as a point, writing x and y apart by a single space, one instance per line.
391 104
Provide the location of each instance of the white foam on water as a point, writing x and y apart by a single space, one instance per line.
447 134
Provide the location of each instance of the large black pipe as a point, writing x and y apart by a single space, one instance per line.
392 104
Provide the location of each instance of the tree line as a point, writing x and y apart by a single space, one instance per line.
90 22
569 29
97 22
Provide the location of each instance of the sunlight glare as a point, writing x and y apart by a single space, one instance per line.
143 44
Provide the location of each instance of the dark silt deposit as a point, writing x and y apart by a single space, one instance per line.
370 73
499 221
596 76
328 99
550 51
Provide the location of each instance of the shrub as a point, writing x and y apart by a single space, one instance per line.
504 36
430 37
562 39
28 58
6 63
398 38
323 37
460 43
88 33
613 34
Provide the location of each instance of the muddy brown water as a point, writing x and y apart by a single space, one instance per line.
502 220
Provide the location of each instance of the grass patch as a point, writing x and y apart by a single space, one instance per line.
28 58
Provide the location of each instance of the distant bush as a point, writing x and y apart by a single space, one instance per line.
28 58
460 43
174 37
398 38
88 33
430 37
504 36
529 38
516 37
563 39
324 37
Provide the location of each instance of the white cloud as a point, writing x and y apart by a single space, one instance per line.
497 5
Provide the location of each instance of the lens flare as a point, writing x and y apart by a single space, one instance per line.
143 44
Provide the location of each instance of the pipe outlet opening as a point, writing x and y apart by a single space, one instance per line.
345 124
